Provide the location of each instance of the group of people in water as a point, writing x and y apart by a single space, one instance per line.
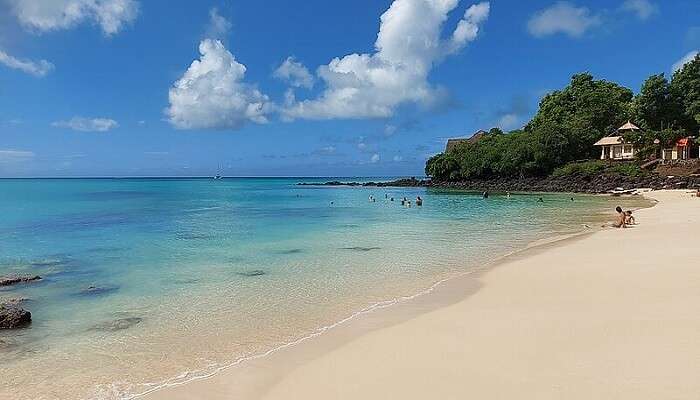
624 218
404 201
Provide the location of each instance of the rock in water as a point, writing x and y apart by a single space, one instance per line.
118 324
98 290
360 248
11 280
13 316
255 272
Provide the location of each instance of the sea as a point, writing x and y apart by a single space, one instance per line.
151 282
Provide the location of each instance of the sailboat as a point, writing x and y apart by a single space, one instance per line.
218 174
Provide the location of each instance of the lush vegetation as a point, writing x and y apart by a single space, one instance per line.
570 120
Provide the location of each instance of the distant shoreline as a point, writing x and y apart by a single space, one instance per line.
568 184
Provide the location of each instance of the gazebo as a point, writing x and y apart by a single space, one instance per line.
614 147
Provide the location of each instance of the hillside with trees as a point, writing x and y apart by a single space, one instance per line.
570 120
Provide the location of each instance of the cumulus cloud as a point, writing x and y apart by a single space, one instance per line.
643 9
37 68
686 59
212 93
562 17
12 156
51 15
219 26
409 44
294 73
82 124
508 121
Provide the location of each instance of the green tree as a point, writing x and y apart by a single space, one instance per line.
656 107
685 85
584 111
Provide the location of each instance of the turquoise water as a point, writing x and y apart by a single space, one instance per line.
153 281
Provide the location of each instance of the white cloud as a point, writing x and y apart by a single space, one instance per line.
390 130
12 156
82 124
508 121
562 17
642 8
375 158
408 46
219 26
398 158
294 73
686 59
50 15
212 94
37 68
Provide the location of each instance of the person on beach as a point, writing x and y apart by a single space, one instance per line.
621 218
629 218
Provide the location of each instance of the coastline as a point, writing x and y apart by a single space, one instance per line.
280 373
597 184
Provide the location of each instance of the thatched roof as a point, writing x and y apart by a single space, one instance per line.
628 127
609 140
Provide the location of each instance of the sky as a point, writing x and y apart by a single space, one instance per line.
300 88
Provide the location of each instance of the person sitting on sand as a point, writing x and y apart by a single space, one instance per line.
629 218
621 218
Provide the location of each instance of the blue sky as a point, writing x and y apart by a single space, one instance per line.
283 88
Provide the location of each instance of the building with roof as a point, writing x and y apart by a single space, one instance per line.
614 147
452 143
681 149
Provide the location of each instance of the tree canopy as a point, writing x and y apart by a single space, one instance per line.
570 120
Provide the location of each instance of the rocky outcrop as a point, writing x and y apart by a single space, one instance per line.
15 279
602 183
13 316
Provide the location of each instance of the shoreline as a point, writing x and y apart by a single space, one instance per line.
250 377
377 311
599 184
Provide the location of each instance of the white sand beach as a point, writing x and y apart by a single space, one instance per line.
611 315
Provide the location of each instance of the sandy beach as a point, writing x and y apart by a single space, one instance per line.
614 314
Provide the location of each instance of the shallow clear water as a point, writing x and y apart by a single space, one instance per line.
189 275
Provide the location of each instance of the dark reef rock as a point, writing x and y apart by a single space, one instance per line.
12 280
117 324
602 183
290 251
12 316
360 248
98 290
255 272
